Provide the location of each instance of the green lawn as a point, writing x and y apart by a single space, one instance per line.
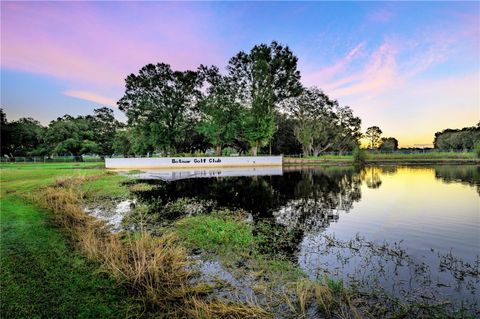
41 275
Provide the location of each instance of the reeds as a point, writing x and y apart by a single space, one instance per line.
153 268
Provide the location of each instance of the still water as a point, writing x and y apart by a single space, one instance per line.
412 232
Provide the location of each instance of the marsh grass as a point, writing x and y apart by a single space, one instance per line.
216 232
218 309
278 280
153 268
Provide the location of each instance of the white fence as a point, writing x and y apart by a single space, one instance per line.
192 162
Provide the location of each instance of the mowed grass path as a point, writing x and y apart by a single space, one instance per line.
41 276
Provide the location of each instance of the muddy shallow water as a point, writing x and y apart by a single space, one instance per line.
413 232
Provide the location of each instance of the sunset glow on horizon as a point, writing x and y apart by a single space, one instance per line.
410 68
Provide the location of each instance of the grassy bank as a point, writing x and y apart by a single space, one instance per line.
59 262
391 158
41 275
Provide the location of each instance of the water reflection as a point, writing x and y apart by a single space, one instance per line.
303 199
178 174
407 230
468 175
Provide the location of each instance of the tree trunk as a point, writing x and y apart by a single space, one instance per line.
306 151
255 148
218 150
317 151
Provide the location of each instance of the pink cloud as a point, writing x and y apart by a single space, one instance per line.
333 70
92 97
377 74
79 43
363 74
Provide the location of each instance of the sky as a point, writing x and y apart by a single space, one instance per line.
411 68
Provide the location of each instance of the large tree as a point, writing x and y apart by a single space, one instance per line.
122 143
22 137
5 131
373 135
222 115
388 144
321 123
264 77
157 102
284 140
71 136
457 139
105 126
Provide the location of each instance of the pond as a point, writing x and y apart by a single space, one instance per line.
412 232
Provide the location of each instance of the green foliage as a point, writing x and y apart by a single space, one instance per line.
122 143
104 126
359 155
228 151
284 140
477 148
463 139
259 130
389 144
157 102
264 77
373 134
221 115
335 285
216 233
64 136
20 138
322 124
71 136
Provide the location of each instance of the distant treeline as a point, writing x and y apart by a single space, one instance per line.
67 135
459 139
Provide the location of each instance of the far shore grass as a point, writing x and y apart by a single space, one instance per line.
397 157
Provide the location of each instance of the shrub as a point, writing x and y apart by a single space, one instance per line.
476 147
359 155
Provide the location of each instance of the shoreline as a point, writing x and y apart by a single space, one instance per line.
288 161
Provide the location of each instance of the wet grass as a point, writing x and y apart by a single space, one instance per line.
282 283
227 235
216 233
108 186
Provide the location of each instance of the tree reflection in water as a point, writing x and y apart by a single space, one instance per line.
284 207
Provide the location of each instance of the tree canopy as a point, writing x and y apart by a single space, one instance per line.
321 124
157 102
457 139
373 135
264 77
